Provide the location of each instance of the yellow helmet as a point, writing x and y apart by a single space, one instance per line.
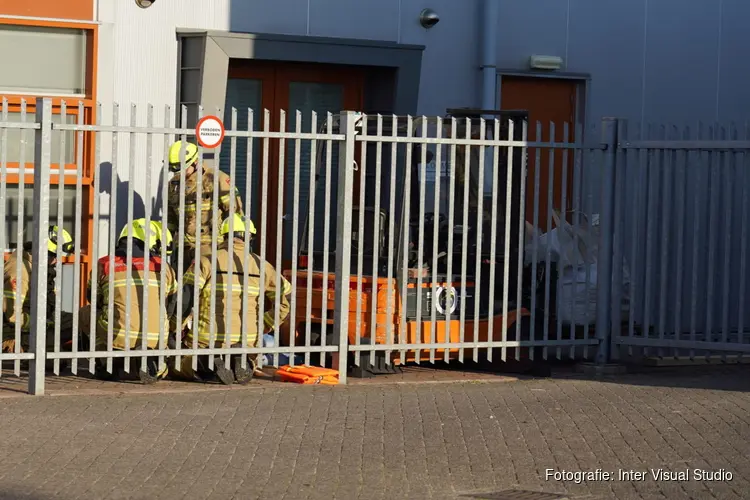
239 225
66 246
158 235
191 155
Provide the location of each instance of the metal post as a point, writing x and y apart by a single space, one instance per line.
606 232
347 126
38 285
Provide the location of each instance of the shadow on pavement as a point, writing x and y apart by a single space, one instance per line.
21 494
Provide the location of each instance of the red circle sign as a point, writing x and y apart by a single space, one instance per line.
209 131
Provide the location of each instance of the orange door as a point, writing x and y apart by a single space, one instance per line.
547 100
290 87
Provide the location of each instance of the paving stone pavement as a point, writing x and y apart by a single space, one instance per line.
457 440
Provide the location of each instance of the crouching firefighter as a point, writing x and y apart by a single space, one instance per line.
230 292
143 273
16 293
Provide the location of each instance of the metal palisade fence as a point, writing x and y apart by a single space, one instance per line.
462 238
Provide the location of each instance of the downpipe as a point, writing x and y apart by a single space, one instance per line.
490 13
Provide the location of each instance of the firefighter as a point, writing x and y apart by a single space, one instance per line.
142 273
232 249
190 195
16 288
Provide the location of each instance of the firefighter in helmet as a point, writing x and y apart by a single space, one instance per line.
228 315
16 289
143 273
197 213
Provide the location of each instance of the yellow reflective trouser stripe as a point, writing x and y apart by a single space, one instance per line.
225 198
10 294
236 288
189 279
234 338
268 319
136 281
150 336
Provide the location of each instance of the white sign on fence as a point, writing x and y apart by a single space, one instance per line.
209 131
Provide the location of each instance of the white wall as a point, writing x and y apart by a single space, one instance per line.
137 63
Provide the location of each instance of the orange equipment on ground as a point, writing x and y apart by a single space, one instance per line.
304 374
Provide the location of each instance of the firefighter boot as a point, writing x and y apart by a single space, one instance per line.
221 372
243 376
152 374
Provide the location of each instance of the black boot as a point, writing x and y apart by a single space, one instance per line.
152 374
223 373
243 376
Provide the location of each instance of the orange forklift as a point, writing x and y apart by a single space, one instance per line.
421 245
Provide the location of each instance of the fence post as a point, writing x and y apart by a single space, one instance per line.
606 247
39 238
347 126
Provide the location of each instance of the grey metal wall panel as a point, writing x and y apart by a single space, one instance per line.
734 72
606 41
287 17
530 27
347 19
682 53
450 63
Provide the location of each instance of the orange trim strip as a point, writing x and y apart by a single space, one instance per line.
49 9
68 180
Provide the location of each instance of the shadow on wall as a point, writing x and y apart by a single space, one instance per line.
158 200
106 174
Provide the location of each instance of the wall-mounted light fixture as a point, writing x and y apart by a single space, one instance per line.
428 18
144 4
545 62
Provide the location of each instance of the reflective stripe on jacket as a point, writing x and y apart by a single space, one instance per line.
226 189
15 289
142 274
232 286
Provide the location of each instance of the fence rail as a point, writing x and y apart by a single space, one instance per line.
402 240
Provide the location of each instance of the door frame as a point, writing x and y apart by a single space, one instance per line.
583 81
276 76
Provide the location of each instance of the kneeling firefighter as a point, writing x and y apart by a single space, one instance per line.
143 273
16 290
230 292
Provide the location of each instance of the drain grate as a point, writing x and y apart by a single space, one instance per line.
516 495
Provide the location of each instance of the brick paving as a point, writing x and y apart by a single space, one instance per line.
383 440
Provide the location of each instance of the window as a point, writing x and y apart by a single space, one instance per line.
43 60
57 60
14 145
12 194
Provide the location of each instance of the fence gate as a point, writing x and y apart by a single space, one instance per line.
680 248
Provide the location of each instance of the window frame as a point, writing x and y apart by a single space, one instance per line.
15 102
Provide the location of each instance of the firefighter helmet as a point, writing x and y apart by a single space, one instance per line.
158 236
191 155
66 246
240 225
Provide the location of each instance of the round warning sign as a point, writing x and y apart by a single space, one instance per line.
209 132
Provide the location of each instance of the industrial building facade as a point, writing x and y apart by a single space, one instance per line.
644 60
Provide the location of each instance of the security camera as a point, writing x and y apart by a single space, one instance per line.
144 4
428 18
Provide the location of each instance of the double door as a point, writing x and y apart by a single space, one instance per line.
290 87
